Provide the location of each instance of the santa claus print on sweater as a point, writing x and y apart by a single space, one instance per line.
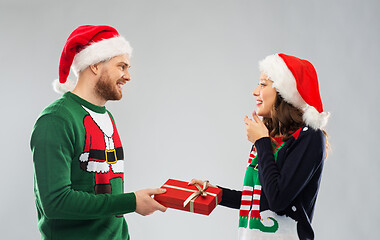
103 152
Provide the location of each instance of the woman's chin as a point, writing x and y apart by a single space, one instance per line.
261 114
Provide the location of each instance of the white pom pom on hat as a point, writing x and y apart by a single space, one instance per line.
87 45
67 86
296 81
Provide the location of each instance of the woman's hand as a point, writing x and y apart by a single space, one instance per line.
193 181
256 129
200 182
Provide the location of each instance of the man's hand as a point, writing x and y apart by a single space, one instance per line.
145 204
256 129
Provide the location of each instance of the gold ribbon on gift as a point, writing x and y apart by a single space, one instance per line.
201 192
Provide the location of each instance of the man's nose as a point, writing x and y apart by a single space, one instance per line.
126 76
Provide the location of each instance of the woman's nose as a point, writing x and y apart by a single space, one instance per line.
256 92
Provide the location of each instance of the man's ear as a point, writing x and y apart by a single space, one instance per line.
95 68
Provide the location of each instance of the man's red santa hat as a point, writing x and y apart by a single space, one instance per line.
296 81
85 46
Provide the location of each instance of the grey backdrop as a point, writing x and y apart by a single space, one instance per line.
193 71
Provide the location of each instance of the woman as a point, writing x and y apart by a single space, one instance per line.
286 160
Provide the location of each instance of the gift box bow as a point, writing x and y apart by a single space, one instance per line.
201 192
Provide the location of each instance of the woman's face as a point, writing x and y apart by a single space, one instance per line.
265 95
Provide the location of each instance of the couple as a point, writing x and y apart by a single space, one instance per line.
79 161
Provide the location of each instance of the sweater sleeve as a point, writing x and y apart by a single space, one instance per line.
52 144
302 159
230 198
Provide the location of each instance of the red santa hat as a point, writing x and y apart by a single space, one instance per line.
296 81
85 46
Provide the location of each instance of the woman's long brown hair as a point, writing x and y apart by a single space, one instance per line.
285 120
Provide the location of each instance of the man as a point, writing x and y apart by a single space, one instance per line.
77 153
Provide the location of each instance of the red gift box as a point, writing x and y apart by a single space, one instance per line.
177 192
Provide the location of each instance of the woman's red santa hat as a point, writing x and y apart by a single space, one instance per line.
296 81
85 46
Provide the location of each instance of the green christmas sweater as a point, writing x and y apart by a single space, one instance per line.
79 172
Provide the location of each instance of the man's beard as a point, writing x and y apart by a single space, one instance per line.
106 88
